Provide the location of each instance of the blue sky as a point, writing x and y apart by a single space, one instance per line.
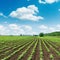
29 16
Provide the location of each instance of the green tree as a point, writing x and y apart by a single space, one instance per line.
41 34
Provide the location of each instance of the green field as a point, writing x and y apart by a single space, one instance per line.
29 48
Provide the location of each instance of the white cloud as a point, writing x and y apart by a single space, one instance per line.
43 27
52 29
1 27
27 27
28 30
3 30
1 14
48 29
58 25
48 1
27 13
15 29
14 26
11 29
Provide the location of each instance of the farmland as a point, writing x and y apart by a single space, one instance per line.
29 48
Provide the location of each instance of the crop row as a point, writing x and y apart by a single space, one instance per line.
32 49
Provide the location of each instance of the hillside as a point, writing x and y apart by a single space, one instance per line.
53 34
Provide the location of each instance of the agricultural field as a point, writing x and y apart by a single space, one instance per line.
29 48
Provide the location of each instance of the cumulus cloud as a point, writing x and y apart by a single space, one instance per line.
48 29
48 1
43 27
14 26
28 30
27 13
15 29
27 27
3 30
58 25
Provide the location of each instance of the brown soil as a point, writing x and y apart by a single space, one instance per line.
11 50
46 54
56 57
15 56
6 49
36 55
58 48
2 55
28 53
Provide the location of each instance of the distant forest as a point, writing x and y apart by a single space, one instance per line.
53 34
